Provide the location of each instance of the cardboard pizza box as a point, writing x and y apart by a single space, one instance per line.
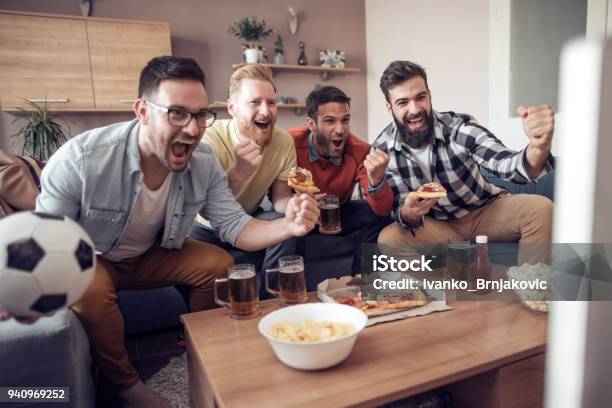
337 287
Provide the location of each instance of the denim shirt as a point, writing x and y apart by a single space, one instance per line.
95 178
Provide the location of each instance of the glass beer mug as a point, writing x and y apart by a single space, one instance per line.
243 297
459 259
291 280
330 215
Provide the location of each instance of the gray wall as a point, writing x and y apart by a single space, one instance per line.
199 30
449 39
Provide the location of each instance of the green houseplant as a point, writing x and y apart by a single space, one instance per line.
251 31
279 50
42 135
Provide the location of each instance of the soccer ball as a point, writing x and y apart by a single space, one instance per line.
46 263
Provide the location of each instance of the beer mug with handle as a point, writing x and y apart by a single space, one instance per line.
330 215
243 298
291 280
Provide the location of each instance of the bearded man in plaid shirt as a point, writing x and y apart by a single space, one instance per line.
450 148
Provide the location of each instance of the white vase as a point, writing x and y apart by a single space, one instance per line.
251 55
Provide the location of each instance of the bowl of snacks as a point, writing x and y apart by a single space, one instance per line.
530 277
313 336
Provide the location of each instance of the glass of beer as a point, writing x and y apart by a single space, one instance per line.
291 280
459 259
330 215
242 292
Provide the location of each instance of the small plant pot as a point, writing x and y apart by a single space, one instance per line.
279 58
251 55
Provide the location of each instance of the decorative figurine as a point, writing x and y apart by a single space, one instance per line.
279 57
293 20
302 59
332 59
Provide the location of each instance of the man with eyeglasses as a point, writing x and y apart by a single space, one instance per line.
136 188
256 156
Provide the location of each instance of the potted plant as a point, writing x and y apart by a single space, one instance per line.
252 31
279 50
42 135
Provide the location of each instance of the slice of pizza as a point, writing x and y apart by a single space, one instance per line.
301 180
430 190
392 304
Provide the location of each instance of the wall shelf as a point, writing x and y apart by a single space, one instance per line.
324 71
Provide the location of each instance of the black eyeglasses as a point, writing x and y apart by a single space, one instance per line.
181 117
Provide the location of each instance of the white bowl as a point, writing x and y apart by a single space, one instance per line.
316 355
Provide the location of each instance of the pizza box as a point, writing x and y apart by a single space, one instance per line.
337 287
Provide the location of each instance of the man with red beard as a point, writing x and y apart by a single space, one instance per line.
338 160
136 188
256 156
450 149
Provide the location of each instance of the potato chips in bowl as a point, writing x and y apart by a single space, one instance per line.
313 336
310 331
534 299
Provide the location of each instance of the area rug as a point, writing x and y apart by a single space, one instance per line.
172 382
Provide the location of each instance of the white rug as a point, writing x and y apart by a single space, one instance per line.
172 382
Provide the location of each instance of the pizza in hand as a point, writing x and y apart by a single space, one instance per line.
430 190
301 180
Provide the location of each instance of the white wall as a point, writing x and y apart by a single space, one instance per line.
450 39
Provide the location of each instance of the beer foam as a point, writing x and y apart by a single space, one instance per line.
292 269
241 274
329 206
459 245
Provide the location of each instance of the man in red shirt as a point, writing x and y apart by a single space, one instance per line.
338 160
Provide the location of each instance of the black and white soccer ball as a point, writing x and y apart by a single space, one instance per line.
46 263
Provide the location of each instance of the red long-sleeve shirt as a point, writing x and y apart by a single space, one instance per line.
341 180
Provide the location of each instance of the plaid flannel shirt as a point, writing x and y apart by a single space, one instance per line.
461 146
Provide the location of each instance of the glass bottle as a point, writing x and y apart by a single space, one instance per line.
481 266
302 58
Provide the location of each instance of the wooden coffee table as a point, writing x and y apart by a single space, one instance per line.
486 353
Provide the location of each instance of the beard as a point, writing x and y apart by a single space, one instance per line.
419 138
329 150
249 130
261 140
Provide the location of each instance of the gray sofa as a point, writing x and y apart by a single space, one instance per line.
54 351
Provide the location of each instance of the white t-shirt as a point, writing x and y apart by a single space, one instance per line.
423 159
148 218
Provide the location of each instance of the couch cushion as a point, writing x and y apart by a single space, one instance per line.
54 351
545 185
